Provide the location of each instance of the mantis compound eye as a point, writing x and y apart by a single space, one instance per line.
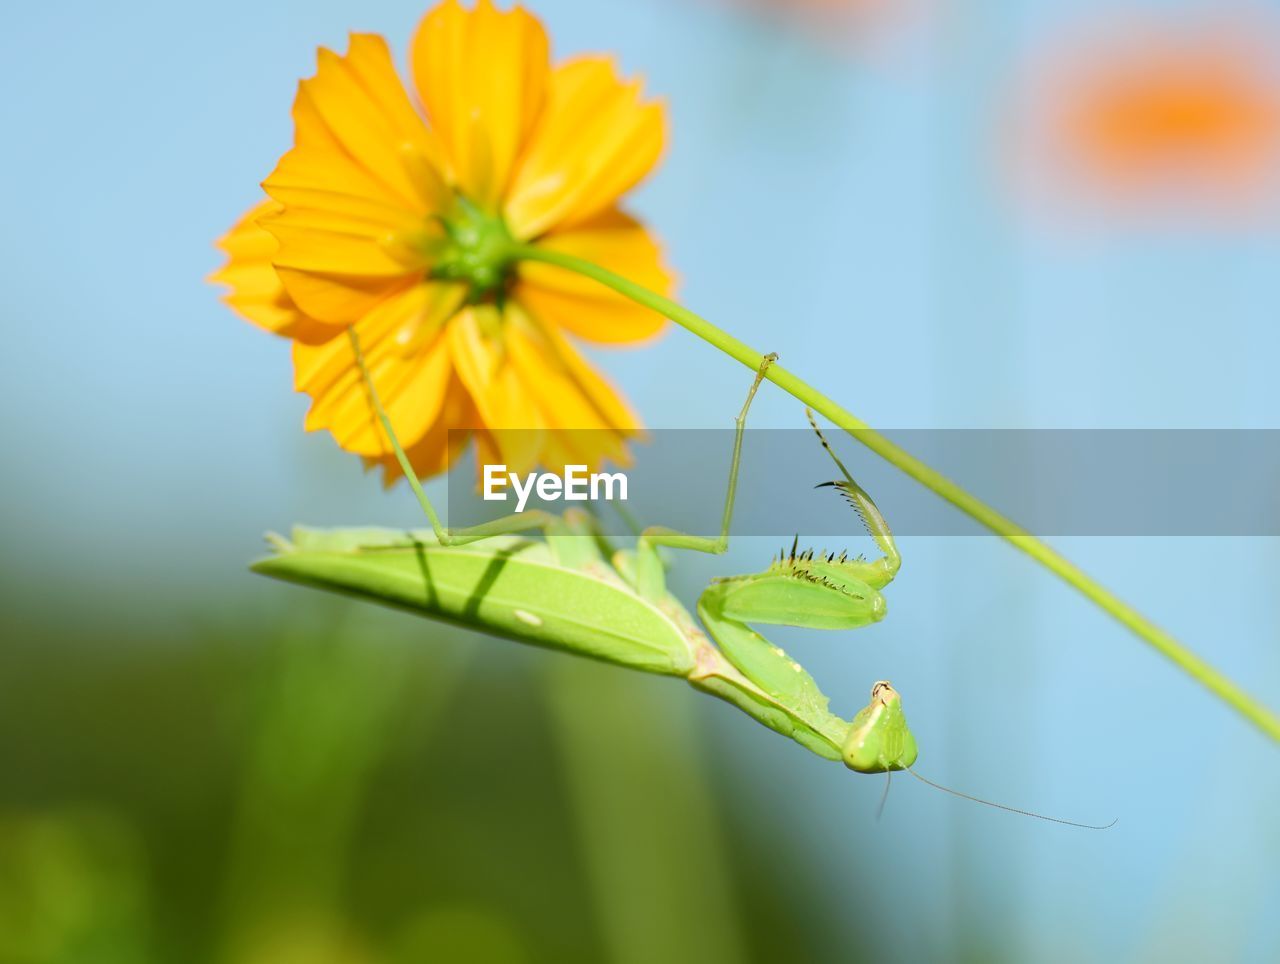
882 691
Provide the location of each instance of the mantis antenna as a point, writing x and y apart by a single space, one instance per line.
1001 806
884 797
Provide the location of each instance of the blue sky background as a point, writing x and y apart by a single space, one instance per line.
840 206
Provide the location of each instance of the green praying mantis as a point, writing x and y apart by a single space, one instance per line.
572 591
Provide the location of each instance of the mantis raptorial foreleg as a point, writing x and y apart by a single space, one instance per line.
881 572
808 590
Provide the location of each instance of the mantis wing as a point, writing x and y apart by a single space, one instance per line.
506 586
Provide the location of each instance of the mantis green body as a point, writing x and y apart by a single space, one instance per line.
574 592
564 593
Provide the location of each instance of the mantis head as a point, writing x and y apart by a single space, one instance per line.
880 741
879 738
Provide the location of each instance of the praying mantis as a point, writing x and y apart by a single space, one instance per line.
573 592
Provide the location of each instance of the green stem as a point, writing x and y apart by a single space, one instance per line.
975 508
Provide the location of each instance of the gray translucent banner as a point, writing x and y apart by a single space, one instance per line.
1051 482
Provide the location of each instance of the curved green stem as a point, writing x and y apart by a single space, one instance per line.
1218 684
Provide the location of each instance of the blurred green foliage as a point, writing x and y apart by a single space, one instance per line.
328 783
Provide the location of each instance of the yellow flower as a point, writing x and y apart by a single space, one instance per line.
397 221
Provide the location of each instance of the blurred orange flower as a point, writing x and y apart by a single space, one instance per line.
395 220
1174 114
843 25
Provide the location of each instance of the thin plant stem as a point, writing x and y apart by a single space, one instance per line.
1212 679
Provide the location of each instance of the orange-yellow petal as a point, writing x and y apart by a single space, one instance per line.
356 103
410 373
336 266
604 396
588 309
444 442
596 140
326 242
320 161
256 291
481 361
482 75
358 189
579 431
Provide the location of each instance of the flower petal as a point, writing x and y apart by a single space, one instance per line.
481 75
411 383
357 190
612 240
595 140
581 432
328 243
475 344
256 291
357 103
607 400
444 442
336 266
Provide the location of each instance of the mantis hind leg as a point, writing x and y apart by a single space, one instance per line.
649 576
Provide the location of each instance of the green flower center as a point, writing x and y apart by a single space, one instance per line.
476 249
